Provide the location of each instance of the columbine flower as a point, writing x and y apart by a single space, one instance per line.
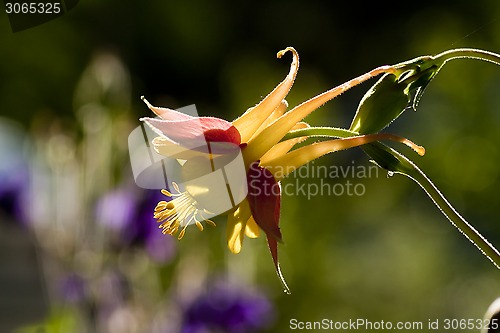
259 134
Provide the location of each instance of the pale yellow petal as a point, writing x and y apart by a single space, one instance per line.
235 234
284 147
300 125
253 118
271 135
236 225
252 230
171 149
278 112
281 166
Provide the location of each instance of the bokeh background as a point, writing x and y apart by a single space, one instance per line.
79 251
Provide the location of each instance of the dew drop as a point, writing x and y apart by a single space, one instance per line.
390 174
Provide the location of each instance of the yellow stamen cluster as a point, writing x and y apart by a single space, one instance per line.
179 212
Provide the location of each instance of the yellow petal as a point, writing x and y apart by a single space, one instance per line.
281 166
236 225
252 230
284 147
253 118
278 112
271 135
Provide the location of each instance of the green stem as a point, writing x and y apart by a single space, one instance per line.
453 216
332 132
468 54
393 161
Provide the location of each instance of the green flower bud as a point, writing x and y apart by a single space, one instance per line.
383 103
391 95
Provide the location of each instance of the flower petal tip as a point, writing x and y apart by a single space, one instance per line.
291 49
146 102
420 150
235 249
286 289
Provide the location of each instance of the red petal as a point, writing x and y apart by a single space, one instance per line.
273 248
169 114
195 132
264 196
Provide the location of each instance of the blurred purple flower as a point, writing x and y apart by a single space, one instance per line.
14 185
72 288
14 172
117 209
228 309
159 247
128 211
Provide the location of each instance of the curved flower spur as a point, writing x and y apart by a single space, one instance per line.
205 144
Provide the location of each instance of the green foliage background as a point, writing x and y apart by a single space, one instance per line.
387 255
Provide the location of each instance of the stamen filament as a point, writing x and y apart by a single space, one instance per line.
199 225
179 213
181 234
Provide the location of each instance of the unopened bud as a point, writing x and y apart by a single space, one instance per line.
393 93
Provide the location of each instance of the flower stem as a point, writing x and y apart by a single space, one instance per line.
333 132
453 216
393 161
344 134
467 53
